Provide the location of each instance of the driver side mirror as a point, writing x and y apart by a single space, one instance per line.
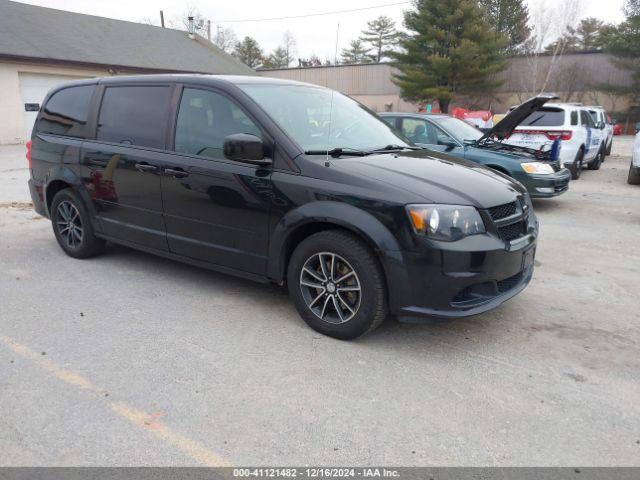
637 127
243 147
600 125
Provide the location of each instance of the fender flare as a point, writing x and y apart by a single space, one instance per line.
342 215
65 174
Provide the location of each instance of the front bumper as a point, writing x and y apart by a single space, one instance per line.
462 278
547 186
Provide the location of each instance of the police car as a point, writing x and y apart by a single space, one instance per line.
599 115
582 141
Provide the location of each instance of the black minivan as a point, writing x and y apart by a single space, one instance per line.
283 182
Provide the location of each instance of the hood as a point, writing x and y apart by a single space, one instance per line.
431 177
515 117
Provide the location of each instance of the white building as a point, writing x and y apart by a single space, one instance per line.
42 47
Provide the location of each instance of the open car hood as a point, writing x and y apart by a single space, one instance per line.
507 125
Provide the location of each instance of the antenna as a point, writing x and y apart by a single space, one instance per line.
335 64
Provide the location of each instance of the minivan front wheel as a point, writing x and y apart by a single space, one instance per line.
337 285
72 226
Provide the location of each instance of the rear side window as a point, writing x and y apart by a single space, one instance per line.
134 115
574 118
205 118
545 117
67 112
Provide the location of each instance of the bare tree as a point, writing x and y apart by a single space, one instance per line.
182 22
225 39
148 21
551 20
289 46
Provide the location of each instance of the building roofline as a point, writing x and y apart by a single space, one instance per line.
72 63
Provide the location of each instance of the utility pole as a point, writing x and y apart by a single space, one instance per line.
161 18
209 30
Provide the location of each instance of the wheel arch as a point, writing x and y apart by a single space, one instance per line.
61 178
314 217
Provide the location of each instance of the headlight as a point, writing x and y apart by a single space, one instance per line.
537 167
445 222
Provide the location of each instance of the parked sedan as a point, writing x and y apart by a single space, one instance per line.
634 168
537 170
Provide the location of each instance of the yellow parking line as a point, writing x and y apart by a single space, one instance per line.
145 421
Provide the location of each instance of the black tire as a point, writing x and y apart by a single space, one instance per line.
607 152
368 307
72 226
634 176
597 162
576 166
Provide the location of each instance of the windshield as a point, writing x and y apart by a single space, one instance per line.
305 113
458 129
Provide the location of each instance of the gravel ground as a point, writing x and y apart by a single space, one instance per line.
130 359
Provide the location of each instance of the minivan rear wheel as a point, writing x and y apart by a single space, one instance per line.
72 226
337 285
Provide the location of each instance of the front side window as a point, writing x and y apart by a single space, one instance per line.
419 131
204 120
460 130
318 119
134 115
67 111
587 121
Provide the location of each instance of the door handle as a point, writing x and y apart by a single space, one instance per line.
176 173
145 167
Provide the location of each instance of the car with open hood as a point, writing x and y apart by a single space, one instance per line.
539 170
282 182
582 139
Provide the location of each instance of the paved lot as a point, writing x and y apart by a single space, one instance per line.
129 359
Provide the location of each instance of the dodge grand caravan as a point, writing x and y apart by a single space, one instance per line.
282 182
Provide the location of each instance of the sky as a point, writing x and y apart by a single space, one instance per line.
314 34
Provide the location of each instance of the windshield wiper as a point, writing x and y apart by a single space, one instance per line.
390 148
338 152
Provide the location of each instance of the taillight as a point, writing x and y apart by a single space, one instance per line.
29 154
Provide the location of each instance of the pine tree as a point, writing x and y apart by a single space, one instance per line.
509 18
248 52
381 35
356 53
632 8
623 43
450 50
586 36
277 59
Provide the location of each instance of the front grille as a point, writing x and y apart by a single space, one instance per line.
513 231
509 283
503 211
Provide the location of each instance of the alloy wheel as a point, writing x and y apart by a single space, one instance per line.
330 287
69 224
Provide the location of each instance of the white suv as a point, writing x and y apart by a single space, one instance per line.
600 116
581 141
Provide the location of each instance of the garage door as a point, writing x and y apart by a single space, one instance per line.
33 89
